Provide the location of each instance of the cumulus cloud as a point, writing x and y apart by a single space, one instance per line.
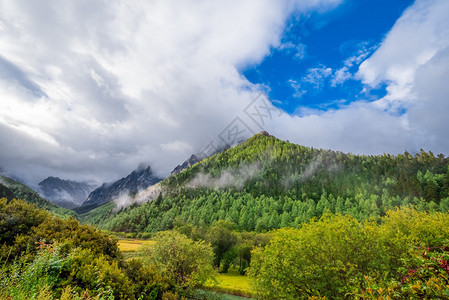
413 61
93 88
359 127
420 34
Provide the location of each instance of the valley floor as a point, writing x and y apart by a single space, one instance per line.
231 285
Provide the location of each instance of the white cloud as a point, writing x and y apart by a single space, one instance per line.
417 36
357 128
92 88
340 76
344 73
413 61
298 50
299 92
317 76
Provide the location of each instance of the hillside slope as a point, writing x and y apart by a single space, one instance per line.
267 183
11 189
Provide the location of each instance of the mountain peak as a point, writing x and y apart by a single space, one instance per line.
265 133
139 179
66 193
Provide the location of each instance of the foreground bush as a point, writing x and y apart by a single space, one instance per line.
23 225
327 257
183 264
333 256
45 257
424 277
52 274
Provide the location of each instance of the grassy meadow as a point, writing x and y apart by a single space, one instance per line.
132 245
229 283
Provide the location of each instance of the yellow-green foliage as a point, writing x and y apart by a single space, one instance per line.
52 273
23 225
182 262
45 257
87 270
17 220
332 256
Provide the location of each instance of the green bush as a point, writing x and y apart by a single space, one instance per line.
183 264
327 257
146 278
424 276
35 279
51 272
23 225
17 219
332 256
88 270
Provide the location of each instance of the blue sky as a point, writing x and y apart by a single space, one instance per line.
299 72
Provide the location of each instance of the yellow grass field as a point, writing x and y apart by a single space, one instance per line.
232 283
132 245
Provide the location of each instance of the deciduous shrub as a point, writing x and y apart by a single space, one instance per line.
332 256
183 264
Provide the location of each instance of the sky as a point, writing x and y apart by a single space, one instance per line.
90 89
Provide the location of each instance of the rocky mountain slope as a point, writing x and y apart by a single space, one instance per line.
65 193
139 179
196 158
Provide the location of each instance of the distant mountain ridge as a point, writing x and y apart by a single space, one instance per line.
139 179
66 193
12 189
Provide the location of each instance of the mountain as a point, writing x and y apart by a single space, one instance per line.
139 179
65 193
12 189
5 192
195 158
265 183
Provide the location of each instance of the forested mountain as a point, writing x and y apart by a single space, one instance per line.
66 193
11 189
266 183
194 158
138 180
